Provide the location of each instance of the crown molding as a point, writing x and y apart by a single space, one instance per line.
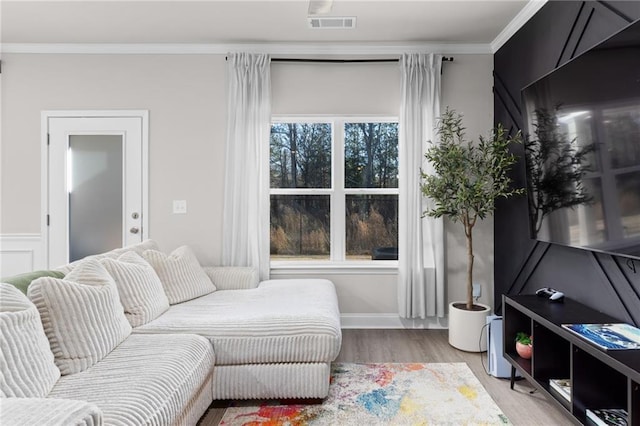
530 9
222 49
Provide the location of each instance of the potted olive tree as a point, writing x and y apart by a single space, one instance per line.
468 177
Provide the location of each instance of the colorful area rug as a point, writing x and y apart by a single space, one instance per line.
385 394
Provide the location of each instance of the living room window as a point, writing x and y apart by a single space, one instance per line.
334 189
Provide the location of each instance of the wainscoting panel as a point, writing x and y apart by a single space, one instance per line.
21 253
560 31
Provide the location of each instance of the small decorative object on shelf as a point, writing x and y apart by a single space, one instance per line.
608 417
608 336
524 345
561 387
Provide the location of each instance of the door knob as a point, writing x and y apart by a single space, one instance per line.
134 230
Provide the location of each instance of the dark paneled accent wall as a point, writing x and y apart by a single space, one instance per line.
560 31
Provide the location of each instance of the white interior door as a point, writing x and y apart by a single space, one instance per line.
96 185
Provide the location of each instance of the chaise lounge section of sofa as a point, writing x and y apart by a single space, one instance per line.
276 340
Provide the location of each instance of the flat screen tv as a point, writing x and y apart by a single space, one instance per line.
582 149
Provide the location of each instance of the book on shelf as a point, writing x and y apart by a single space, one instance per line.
561 387
608 336
608 417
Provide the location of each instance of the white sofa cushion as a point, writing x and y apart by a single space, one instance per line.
139 287
27 367
180 273
81 314
48 412
146 380
280 321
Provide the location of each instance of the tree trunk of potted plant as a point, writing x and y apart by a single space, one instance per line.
468 231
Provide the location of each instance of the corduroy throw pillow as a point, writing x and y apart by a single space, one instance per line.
22 281
180 273
81 314
27 369
139 287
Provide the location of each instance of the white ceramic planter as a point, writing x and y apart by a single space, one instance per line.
467 329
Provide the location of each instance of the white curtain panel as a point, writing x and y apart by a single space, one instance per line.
421 274
246 197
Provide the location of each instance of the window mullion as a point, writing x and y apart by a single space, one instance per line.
337 197
371 191
300 191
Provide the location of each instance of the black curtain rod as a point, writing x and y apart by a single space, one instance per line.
344 61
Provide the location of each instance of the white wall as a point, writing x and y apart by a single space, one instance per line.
467 85
328 88
186 98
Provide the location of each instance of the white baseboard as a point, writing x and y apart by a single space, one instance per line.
21 253
390 321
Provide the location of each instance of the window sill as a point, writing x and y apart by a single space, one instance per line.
383 267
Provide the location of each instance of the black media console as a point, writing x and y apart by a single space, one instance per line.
599 378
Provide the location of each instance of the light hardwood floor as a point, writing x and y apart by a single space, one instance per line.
522 407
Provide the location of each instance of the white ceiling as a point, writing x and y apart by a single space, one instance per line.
244 21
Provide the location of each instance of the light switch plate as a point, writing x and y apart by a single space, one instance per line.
179 206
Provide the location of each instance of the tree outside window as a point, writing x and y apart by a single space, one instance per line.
348 211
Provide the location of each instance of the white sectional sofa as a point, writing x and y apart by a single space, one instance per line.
191 335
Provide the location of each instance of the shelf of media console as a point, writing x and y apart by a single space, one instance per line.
558 347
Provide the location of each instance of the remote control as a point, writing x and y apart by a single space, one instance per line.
550 293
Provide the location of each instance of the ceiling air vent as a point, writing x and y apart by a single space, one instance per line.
332 23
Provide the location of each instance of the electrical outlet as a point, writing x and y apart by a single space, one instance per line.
477 290
179 206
